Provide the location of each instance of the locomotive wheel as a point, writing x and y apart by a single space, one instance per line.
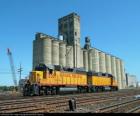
79 89
57 90
53 90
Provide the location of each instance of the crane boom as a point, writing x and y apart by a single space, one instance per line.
12 66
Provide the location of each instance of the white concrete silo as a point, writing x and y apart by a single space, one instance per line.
81 59
62 54
95 62
37 52
46 50
90 59
102 63
42 50
85 59
69 56
118 73
78 56
55 52
123 77
108 63
113 67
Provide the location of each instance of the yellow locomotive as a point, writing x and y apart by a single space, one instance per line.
49 80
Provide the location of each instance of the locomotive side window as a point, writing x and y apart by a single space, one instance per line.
103 74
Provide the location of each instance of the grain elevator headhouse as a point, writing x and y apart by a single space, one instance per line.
69 28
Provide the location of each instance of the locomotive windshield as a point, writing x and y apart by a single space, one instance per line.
41 67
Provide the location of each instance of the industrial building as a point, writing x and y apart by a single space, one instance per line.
67 51
131 80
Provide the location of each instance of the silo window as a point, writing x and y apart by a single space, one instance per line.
103 74
76 33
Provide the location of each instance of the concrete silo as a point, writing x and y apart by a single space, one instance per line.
118 73
42 52
108 63
46 45
102 64
55 52
90 59
81 59
95 62
85 59
123 77
113 67
78 49
69 56
62 53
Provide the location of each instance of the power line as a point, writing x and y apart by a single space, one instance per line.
15 73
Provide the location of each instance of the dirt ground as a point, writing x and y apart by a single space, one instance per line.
9 95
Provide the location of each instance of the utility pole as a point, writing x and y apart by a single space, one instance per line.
20 70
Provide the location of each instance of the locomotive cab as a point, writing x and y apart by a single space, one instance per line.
32 86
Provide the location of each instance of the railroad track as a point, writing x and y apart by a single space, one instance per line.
21 106
57 103
58 106
123 107
49 98
134 110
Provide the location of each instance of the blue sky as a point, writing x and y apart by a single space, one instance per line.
113 26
